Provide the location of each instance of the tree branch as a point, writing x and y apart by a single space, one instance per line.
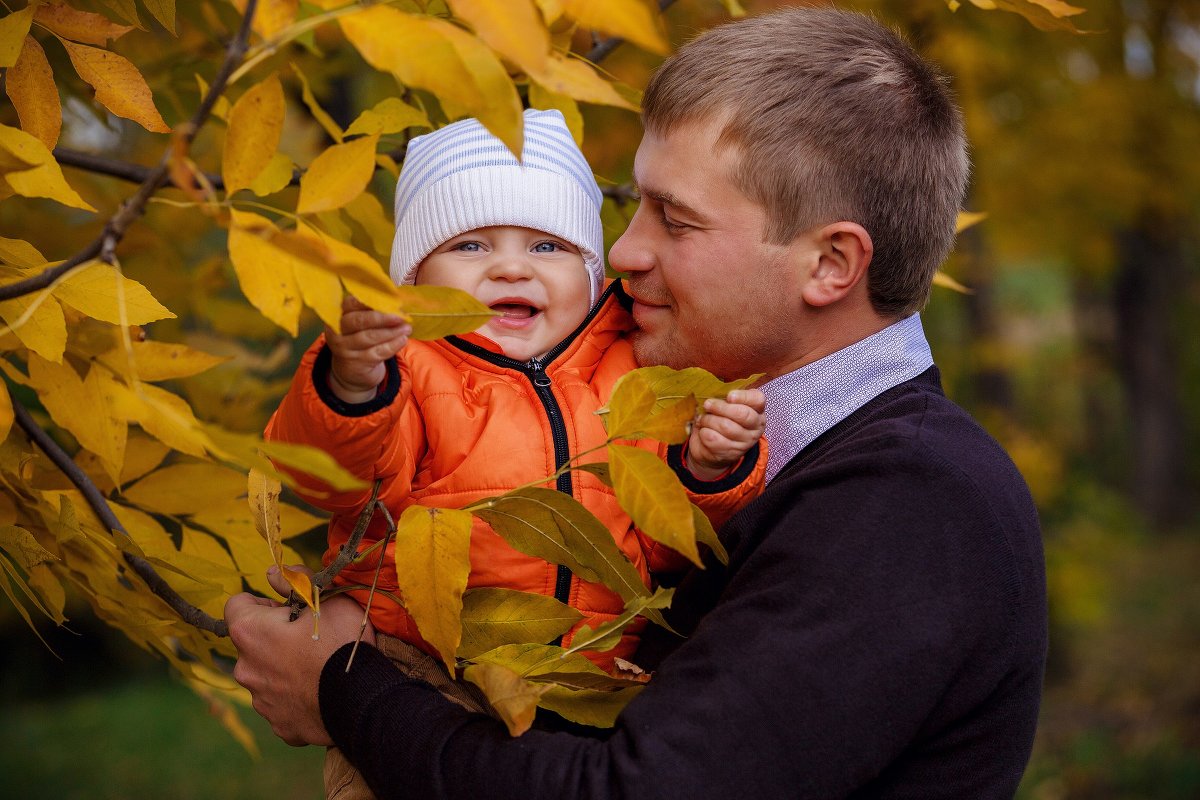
95 500
105 245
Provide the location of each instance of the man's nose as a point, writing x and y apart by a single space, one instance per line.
633 252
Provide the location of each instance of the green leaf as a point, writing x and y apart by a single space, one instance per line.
651 494
588 707
608 635
492 617
433 560
707 535
548 524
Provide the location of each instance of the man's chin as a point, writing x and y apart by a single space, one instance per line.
651 350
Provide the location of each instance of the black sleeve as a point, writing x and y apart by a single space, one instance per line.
850 630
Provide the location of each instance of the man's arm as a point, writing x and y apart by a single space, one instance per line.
845 625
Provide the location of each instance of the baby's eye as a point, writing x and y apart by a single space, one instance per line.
547 247
468 247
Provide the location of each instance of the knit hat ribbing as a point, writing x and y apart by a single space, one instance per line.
461 177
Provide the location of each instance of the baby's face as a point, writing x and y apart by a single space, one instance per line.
537 282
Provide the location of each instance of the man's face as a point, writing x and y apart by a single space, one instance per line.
708 290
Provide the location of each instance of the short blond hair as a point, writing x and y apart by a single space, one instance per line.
836 118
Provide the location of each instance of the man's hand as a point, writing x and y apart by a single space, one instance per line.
280 663
368 339
725 432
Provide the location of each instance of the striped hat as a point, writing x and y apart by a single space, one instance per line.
461 177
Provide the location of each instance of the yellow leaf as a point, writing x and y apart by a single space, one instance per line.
264 272
311 461
946 282
37 321
432 54
163 11
186 488
551 10
230 519
80 26
651 494
707 535
30 86
160 361
82 407
253 558
102 292
262 492
43 580
319 114
536 660
542 98
433 549
574 78
276 175
368 212
390 115
272 16
45 178
437 311
514 698
6 412
338 175
588 707
321 290
23 547
221 107
513 29
255 125
554 526
635 411
13 30
302 585
1046 15
493 617
165 416
119 85
606 636
629 19
19 253
967 219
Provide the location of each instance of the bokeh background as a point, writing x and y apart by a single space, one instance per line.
1077 346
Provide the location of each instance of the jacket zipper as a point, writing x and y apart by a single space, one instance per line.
535 371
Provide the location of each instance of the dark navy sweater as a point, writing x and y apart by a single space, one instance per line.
880 632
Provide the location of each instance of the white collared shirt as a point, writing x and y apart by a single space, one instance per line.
806 402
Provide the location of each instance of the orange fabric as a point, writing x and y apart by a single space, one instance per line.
462 429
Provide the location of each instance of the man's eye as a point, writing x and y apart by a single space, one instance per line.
671 225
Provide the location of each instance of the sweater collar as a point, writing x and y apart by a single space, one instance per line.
806 402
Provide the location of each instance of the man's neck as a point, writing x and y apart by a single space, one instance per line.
827 333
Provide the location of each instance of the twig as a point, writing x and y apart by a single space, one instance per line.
105 245
349 551
95 500
362 629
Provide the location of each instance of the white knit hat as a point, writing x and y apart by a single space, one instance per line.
461 177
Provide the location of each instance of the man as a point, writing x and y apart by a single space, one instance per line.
880 630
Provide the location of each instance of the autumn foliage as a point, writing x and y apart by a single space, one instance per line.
136 320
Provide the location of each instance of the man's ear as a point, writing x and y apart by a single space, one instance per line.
844 253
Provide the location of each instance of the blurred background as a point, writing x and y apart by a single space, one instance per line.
1077 345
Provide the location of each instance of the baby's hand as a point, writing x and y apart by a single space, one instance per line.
368 339
725 432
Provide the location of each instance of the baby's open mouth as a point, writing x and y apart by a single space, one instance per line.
515 310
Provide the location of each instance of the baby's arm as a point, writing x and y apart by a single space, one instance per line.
368 339
725 432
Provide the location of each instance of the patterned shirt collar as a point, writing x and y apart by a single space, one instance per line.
805 403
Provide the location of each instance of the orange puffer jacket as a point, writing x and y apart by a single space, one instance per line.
457 422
